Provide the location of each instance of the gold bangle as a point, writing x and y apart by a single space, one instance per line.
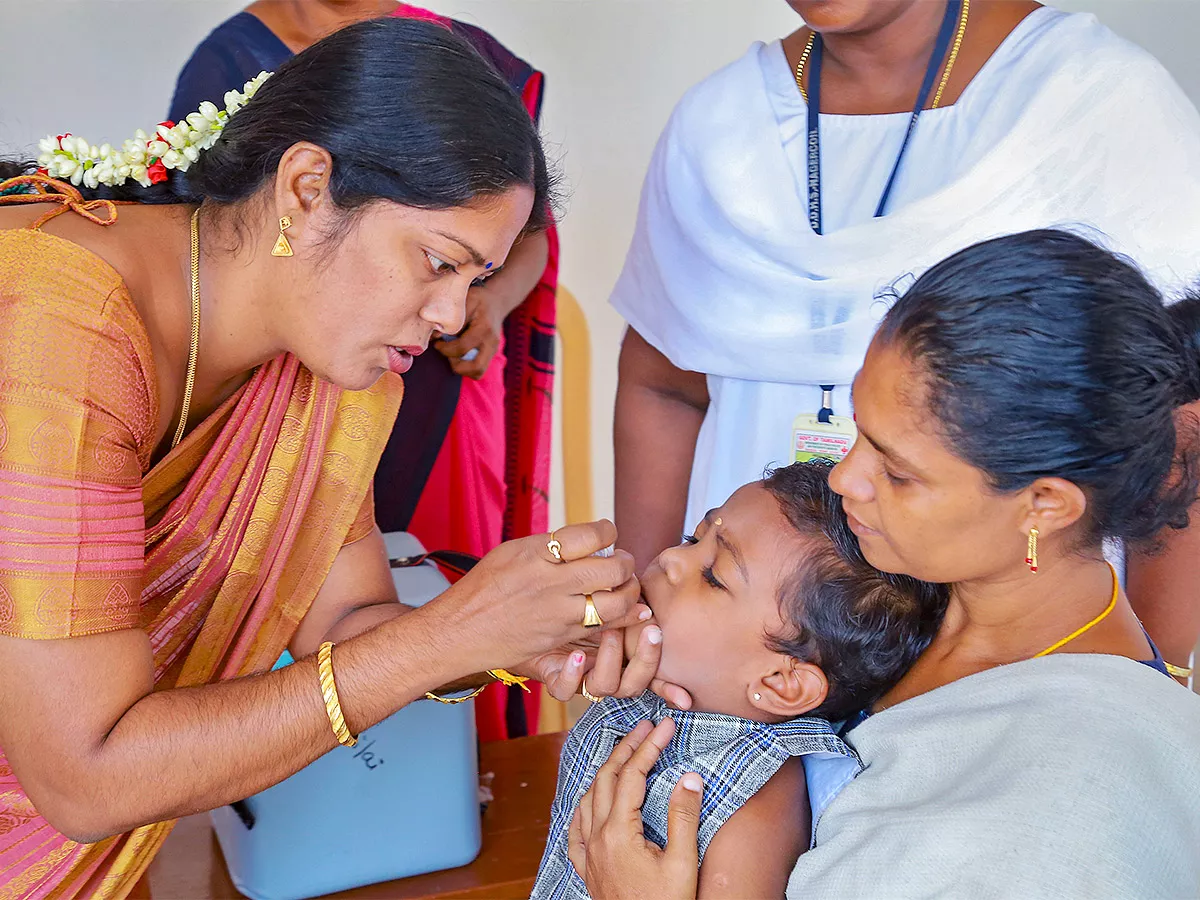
1177 671
501 675
430 695
329 691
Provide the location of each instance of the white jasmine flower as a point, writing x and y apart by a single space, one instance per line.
174 159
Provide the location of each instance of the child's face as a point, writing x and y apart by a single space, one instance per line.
717 599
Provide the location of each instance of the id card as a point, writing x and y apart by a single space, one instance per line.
814 439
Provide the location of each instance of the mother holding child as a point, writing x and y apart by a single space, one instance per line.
1037 745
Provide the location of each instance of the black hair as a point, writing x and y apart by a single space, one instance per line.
1044 355
1186 315
863 627
409 111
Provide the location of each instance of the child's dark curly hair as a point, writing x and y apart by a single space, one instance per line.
863 627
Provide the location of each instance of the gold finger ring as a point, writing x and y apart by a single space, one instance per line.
583 690
591 618
554 547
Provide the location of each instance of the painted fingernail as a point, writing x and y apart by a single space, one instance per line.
645 614
577 659
692 782
654 635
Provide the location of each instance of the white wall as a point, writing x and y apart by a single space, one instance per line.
614 70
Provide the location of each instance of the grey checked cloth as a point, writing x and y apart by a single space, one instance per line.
735 756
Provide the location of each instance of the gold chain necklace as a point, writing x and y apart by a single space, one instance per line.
937 97
194 352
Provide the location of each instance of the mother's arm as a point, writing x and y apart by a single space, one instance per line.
99 750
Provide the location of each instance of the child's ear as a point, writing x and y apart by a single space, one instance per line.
793 689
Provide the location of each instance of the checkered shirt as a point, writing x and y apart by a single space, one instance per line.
735 756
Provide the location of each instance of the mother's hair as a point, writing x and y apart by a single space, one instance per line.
1046 356
409 111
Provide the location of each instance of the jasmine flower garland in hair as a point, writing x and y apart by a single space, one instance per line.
144 158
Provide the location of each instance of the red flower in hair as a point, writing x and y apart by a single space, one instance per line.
156 172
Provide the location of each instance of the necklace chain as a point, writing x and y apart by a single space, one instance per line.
194 351
937 97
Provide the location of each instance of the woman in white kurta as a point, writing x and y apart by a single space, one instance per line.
739 310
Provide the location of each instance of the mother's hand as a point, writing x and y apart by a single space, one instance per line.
607 844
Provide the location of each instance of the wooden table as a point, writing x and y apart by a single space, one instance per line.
515 825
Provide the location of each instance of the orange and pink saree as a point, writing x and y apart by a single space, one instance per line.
216 551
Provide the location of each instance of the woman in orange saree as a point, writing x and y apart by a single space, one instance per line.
468 464
148 584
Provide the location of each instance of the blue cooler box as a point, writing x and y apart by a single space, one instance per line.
405 801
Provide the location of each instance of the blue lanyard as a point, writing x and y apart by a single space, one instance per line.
814 109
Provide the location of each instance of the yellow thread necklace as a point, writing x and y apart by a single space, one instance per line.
1112 604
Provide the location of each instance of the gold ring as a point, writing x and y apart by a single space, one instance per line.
583 690
591 618
554 547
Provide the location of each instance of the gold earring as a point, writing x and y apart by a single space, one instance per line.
282 247
1031 553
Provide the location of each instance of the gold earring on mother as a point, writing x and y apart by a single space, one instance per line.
1031 551
591 618
282 247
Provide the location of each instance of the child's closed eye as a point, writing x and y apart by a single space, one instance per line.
711 577
708 573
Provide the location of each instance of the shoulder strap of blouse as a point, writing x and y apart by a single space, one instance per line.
43 189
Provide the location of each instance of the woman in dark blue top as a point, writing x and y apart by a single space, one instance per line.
236 50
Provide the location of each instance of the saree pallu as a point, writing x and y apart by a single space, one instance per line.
216 552
488 480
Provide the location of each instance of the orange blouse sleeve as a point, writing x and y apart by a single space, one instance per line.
77 414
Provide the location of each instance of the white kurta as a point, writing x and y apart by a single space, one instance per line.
1066 125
